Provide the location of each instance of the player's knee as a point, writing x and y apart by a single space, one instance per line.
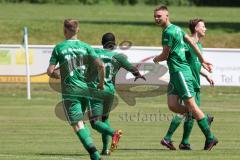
78 126
104 118
94 120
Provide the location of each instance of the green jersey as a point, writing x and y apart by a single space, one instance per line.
73 57
113 61
194 62
172 36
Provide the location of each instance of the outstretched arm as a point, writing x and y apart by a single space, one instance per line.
122 60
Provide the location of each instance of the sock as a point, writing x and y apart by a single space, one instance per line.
87 129
87 142
173 126
102 128
187 128
95 156
105 137
203 125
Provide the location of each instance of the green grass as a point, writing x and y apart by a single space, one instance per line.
30 130
135 24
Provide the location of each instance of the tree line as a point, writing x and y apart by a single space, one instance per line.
234 3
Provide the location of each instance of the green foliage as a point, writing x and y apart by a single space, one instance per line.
167 2
125 2
216 2
89 2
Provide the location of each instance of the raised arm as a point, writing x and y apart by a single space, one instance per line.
122 60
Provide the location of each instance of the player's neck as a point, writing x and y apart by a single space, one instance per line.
195 37
71 37
166 25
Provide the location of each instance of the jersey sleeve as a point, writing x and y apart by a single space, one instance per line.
54 57
92 53
167 39
183 33
122 60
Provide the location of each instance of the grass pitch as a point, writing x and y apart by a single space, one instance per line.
30 130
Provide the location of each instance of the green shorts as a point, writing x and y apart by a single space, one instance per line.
74 108
102 107
197 96
181 84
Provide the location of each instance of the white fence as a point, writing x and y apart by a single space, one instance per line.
13 69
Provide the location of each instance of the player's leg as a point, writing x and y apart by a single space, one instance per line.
188 125
105 137
167 140
75 112
97 113
96 118
173 96
202 123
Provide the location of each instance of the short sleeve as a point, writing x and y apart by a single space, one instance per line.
92 53
167 39
54 57
183 33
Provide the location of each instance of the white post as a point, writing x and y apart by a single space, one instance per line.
27 63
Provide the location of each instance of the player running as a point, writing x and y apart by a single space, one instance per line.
73 56
99 118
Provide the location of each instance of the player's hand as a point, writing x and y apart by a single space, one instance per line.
100 86
211 81
140 76
155 60
208 66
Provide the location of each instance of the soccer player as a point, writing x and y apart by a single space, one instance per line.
73 56
181 78
198 29
99 118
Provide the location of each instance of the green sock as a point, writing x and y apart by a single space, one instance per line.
87 142
203 125
105 137
87 129
173 126
187 128
103 128
95 156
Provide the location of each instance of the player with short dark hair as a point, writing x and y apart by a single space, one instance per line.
99 118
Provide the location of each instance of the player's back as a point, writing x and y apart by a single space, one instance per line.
73 56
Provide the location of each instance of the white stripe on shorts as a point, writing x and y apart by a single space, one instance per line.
185 84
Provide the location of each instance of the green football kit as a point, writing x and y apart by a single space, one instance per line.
184 81
99 110
181 80
73 57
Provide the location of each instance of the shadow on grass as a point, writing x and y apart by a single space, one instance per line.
61 154
229 27
142 149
